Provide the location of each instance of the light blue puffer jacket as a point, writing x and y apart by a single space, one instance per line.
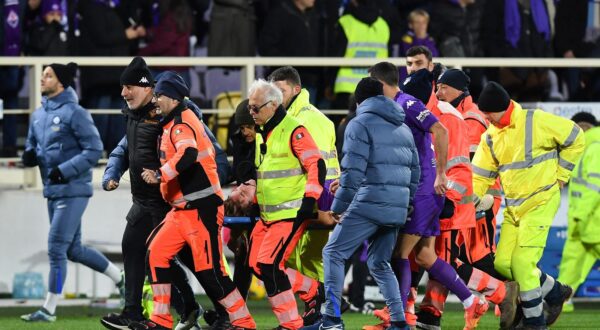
63 134
380 168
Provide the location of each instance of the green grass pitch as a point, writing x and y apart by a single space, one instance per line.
586 316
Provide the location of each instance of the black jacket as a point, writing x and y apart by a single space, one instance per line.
289 32
571 22
102 34
451 22
47 40
143 133
243 158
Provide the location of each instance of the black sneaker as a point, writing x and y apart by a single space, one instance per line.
344 306
553 310
189 320
312 308
221 323
119 321
427 320
146 325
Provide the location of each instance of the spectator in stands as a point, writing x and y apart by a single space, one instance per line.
65 144
578 36
293 29
12 13
47 34
169 34
518 28
106 30
361 32
456 28
232 28
418 22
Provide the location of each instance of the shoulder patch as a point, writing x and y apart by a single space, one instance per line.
423 114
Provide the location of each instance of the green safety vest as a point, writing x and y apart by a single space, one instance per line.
281 180
320 128
584 188
363 41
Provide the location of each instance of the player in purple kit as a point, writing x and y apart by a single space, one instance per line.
423 226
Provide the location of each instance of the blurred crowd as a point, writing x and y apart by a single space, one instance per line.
300 28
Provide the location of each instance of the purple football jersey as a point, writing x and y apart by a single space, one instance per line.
420 120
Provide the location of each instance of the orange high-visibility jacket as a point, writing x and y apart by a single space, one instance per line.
477 125
189 171
458 167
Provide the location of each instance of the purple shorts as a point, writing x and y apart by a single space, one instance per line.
424 220
326 198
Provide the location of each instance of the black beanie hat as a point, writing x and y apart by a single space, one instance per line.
493 98
585 117
456 79
367 87
137 74
65 73
242 115
172 85
419 85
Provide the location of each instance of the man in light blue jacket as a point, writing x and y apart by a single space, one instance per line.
380 174
65 144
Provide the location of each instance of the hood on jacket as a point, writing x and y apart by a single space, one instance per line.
384 108
366 13
67 96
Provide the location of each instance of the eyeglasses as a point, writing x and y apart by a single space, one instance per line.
256 109
156 95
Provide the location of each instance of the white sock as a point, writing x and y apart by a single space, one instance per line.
51 302
113 272
468 302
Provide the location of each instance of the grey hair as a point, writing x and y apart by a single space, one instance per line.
269 91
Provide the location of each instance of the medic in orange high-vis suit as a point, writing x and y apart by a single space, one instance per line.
189 182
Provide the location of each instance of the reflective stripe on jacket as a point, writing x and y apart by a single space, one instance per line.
281 180
363 41
320 128
189 170
584 189
458 169
476 126
530 154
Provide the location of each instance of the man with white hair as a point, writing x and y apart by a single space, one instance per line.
290 177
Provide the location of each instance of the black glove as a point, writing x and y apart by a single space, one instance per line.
56 177
307 209
448 210
29 158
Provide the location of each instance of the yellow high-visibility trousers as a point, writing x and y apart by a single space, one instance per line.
522 243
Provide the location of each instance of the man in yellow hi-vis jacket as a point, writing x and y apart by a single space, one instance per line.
534 153
582 248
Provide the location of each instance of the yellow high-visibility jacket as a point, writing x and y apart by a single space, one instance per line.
320 128
584 189
530 155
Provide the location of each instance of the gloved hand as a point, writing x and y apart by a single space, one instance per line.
485 203
56 177
29 158
307 209
448 210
